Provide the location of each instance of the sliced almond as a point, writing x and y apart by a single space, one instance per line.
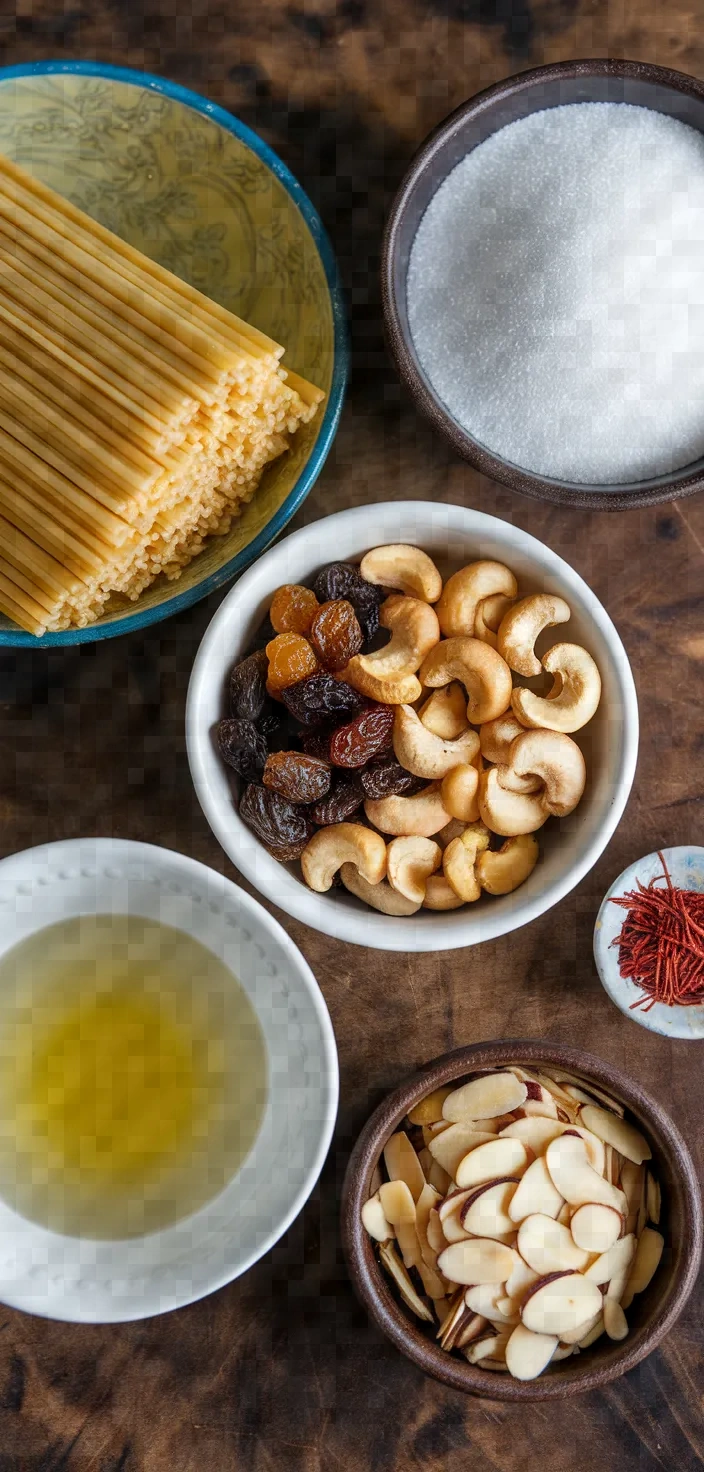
453 1230
543 1108
450 1146
429 1109
492 1160
561 1076
485 1213
491 1347
485 1097
549 1248
617 1132
615 1321
483 1298
480 1260
595 1227
564 1215
472 1328
559 1304
632 1184
593 1333
496 1366
576 1337
534 1132
400 1209
432 1282
653 1199
435 1235
402 1163
522 1278
425 1161
456 1310
645 1264
427 1202
573 1176
613 1262
563 1352
439 1178
375 1220
535 1193
527 1354
392 1262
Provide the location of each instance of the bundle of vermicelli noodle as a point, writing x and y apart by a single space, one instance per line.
136 415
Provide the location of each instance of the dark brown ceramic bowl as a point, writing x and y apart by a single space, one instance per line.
673 93
652 1314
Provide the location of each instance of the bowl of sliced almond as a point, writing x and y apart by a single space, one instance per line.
522 1220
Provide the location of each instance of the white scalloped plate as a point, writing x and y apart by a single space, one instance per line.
83 1280
686 867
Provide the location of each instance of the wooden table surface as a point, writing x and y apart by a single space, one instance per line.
281 1372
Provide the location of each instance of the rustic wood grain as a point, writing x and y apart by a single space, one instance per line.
281 1372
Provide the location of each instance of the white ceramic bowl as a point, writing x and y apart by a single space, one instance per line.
453 535
89 1281
686 869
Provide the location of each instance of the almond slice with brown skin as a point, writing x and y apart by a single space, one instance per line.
563 1078
560 1303
535 1193
549 1248
534 1132
429 1109
564 1215
455 1310
473 1329
617 1132
485 1097
375 1220
528 1354
402 1163
611 1263
451 1145
488 1348
392 1262
615 1321
485 1212
522 1278
479 1260
645 1264
653 1198
595 1228
574 1177
497 1158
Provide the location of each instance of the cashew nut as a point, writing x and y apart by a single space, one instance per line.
423 813
488 617
388 692
459 860
439 895
410 862
467 588
508 813
459 791
502 872
556 760
445 712
424 754
574 697
495 738
406 568
485 675
380 896
414 632
343 843
521 625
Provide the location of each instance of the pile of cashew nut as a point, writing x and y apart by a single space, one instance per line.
499 758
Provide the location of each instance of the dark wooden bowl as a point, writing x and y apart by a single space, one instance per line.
652 1314
670 92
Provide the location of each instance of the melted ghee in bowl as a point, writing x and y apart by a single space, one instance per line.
133 1076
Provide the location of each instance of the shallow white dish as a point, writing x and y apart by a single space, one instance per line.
686 867
454 535
89 1281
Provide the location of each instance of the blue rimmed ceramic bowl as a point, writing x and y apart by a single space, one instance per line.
187 183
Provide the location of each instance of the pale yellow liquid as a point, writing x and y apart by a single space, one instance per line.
133 1076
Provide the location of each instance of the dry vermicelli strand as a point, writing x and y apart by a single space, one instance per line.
661 943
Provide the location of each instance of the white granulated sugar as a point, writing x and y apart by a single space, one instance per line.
556 293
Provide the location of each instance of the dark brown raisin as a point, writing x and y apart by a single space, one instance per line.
385 777
368 735
248 686
344 580
345 796
282 828
317 743
335 634
296 776
322 698
243 747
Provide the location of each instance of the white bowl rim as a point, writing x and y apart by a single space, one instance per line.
174 862
369 928
670 1022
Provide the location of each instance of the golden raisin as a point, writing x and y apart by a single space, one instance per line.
293 609
335 634
290 659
